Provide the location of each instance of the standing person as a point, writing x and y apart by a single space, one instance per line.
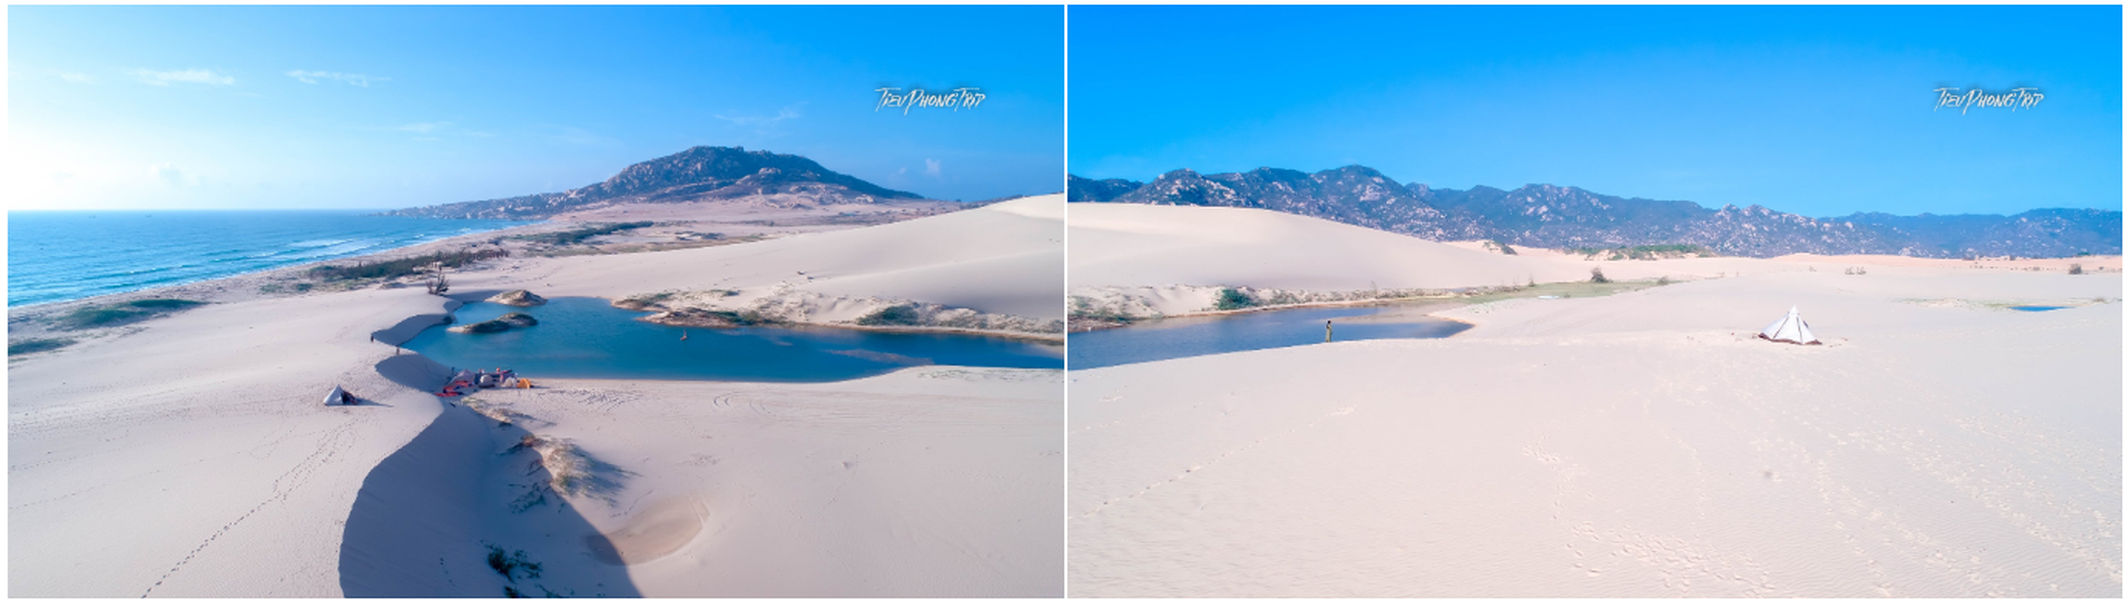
1331 330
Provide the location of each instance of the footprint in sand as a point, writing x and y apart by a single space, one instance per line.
656 532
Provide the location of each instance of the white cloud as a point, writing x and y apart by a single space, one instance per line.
77 78
932 167
353 79
185 76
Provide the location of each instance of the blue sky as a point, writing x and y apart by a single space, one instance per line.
379 107
1818 110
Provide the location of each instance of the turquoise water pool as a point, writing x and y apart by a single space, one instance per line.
588 338
1196 336
2036 308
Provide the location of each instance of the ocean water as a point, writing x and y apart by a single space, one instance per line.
54 256
1196 336
588 338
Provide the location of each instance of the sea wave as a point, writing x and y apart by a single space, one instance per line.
59 257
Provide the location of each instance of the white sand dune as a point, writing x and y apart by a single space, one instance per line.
1004 258
1145 245
933 481
191 456
195 458
1643 444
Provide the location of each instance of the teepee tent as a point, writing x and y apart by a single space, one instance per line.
1789 329
339 395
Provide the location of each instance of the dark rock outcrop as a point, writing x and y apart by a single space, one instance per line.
503 323
518 298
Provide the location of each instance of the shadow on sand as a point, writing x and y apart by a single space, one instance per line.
434 519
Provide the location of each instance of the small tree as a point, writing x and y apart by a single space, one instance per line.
1599 277
1232 299
2075 270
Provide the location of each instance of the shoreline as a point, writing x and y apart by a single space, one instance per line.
1028 337
1457 299
309 264
216 289
450 312
1035 338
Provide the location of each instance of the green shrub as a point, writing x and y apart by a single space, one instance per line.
164 304
493 326
99 316
105 315
2075 270
1232 299
896 315
37 345
577 235
1599 277
404 266
509 565
1648 251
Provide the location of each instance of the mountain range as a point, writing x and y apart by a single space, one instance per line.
1552 216
696 174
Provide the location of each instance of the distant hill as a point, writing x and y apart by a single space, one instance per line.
1103 190
1550 216
699 173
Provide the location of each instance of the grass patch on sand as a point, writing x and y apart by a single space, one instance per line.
106 315
577 235
1646 252
416 265
570 470
37 345
897 315
1571 289
1233 299
512 564
702 241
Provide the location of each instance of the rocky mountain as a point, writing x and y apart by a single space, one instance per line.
698 173
1101 190
1567 217
1354 195
2040 232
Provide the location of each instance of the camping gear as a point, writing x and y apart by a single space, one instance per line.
339 395
1791 330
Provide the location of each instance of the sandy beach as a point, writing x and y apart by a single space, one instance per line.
1640 444
190 455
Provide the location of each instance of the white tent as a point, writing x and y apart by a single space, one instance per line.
1790 330
338 396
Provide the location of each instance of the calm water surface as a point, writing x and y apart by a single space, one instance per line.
588 338
1196 336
